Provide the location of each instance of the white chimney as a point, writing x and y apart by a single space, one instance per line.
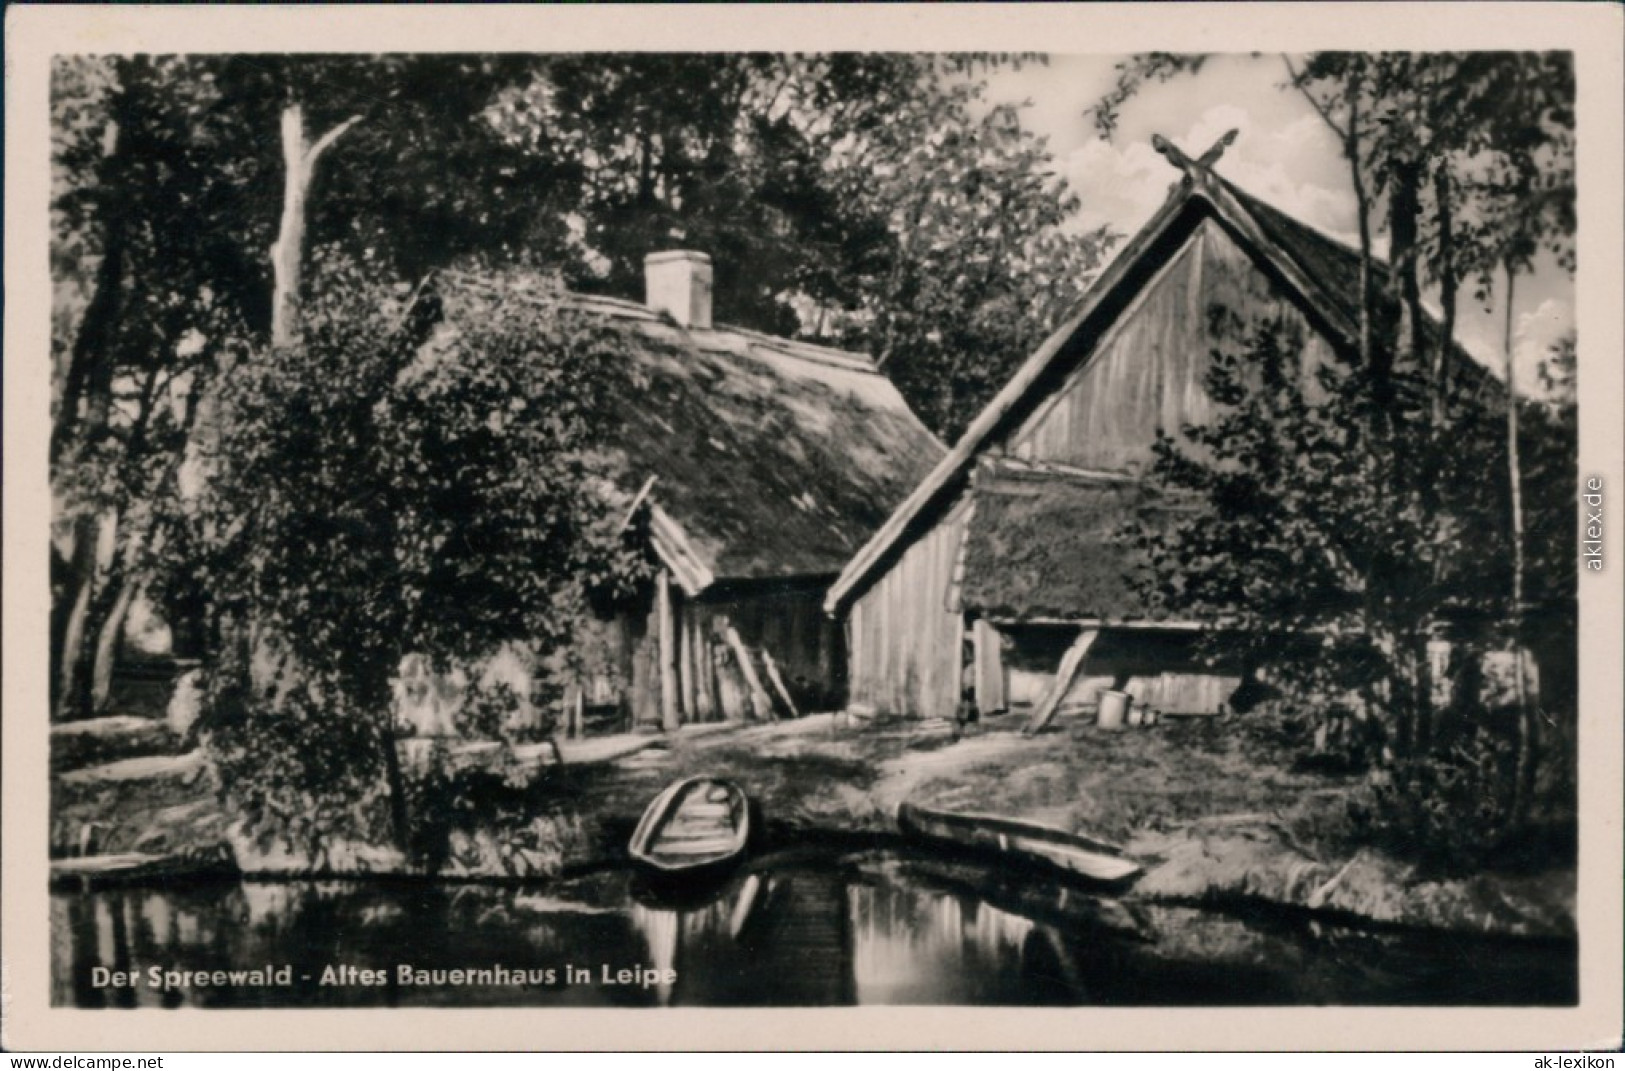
678 283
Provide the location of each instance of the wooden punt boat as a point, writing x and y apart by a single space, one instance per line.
1024 842
696 826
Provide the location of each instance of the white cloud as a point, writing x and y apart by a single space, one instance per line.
1535 335
1298 168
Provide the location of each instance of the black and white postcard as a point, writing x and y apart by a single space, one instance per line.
1099 519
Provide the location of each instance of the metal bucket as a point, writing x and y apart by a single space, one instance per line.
1113 708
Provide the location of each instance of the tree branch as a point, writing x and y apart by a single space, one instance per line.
324 142
1320 108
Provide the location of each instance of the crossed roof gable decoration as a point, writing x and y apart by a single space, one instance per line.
1200 170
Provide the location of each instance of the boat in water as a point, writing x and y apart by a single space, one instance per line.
695 828
1023 842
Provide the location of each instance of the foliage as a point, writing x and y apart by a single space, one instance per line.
1309 519
501 822
1447 806
871 200
307 775
976 264
1466 161
376 495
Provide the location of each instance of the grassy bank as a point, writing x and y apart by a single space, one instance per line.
1217 810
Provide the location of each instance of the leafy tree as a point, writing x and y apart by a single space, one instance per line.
140 318
971 261
376 496
1306 536
872 201
169 189
1466 162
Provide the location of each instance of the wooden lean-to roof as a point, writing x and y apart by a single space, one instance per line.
757 457
1318 274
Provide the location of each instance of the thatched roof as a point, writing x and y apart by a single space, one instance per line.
770 458
1047 544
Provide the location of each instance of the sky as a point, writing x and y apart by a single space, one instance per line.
1284 155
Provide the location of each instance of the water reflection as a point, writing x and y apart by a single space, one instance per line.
805 930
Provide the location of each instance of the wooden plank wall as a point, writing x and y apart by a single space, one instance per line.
1147 372
791 624
906 646
1159 667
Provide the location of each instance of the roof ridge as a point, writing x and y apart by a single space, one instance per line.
1252 202
812 351
850 360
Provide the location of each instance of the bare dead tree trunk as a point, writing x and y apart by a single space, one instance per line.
299 159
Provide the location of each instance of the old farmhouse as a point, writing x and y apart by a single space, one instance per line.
1004 567
757 466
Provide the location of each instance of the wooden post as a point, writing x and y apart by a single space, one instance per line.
705 671
686 666
758 695
567 709
666 652
990 689
778 683
731 699
1071 662
645 683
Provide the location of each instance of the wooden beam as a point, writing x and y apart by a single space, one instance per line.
758 694
778 683
990 689
1067 672
686 666
666 652
632 510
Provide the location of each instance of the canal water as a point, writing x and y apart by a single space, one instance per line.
803 928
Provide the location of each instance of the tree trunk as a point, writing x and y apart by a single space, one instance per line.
1403 212
88 382
1448 286
82 414
1524 772
112 627
73 662
1362 205
287 254
70 656
88 379
399 821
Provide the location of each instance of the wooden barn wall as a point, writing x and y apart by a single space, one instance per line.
790 624
905 642
1159 668
1147 370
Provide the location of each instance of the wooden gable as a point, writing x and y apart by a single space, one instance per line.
1146 371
